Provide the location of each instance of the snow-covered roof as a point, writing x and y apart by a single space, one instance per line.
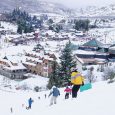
7 61
50 32
29 63
15 50
91 60
89 52
48 58
79 33
84 52
34 59
14 58
20 66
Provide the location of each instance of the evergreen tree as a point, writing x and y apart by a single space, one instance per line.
54 78
51 28
50 21
20 29
67 62
82 25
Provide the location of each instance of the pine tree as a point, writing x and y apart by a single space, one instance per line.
50 21
54 78
82 25
67 62
20 29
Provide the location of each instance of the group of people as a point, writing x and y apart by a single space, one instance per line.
76 80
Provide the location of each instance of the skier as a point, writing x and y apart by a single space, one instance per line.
38 97
77 80
30 101
11 110
68 91
55 93
45 96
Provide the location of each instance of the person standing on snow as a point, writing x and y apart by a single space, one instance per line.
55 93
45 96
68 91
30 101
77 80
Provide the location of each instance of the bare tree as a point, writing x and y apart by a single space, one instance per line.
90 75
109 74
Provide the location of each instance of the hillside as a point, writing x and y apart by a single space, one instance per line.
97 101
39 6
94 11
34 6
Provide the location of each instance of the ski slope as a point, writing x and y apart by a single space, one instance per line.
97 101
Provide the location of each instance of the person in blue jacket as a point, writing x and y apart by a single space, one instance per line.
55 93
30 101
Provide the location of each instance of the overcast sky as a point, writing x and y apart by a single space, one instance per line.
83 3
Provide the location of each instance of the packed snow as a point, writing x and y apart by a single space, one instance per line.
96 101
15 93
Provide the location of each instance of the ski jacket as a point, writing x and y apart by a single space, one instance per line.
30 101
68 90
77 78
55 92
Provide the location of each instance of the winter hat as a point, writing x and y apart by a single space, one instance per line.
54 86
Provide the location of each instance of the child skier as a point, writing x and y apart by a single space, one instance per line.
68 91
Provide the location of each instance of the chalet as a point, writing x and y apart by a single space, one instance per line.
92 52
94 45
23 39
81 62
39 62
12 69
93 49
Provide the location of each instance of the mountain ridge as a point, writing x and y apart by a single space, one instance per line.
38 6
35 6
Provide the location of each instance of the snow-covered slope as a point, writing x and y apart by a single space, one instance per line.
34 6
39 6
95 11
97 101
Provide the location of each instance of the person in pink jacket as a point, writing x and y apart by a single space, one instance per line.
68 91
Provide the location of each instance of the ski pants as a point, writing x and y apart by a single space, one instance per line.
53 100
75 89
66 95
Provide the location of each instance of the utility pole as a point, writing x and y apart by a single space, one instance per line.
105 33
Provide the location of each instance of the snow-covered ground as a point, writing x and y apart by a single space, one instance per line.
97 101
105 35
9 26
15 50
